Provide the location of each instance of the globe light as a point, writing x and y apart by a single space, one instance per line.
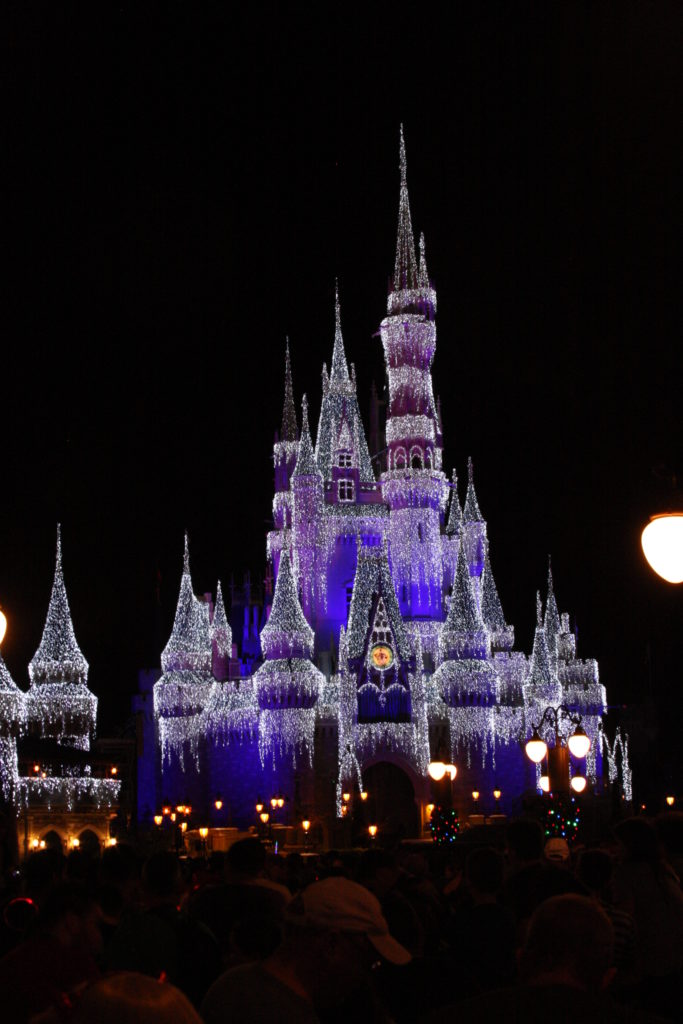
183 826
305 824
364 795
578 783
158 818
264 816
3 625
452 771
536 748
579 744
430 810
218 804
166 809
475 795
114 770
544 784
273 802
662 543
203 831
670 801
281 801
173 815
437 770
497 794
259 806
372 829
112 841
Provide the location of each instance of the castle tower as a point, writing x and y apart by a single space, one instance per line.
307 510
413 485
221 639
474 537
12 722
287 684
59 704
285 451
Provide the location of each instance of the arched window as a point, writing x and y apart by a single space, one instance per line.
428 458
415 457
400 458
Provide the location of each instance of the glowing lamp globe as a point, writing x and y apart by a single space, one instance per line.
203 831
662 543
158 818
3 625
218 804
437 770
670 801
544 784
578 743
305 824
452 771
536 748
364 795
372 829
578 783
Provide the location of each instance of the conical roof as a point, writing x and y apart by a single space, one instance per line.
471 512
305 460
405 268
287 633
463 616
540 675
551 622
289 430
189 645
221 633
58 658
373 579
339 371
12 708
454 524
492 609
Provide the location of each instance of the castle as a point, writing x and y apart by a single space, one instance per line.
386 642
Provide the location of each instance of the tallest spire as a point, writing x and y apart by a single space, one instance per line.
339 371
289 424
405 271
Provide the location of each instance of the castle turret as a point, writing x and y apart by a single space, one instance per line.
221 639
551 621
307 485
474 534
287 684
285 451
502 635
542 687
59 704
413 486
12 723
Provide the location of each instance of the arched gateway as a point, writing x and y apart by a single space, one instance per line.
392 800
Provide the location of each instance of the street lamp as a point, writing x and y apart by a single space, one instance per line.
578 745
3 625
372 829
662 544
158 818
218 803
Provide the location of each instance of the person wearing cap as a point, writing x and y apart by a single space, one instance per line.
335 936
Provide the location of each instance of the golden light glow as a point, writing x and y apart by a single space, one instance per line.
264 816
158 818
662 543
497 794
305 824
346 797
578 783
218 804
364 795
75 842
183 826
536 748
475 795
180 809
35 843
188 809
344 809
372 829
112 841
430 810
670 801
578 743
452 771
281 801
42 844
3 625
173 816
114 770
437 770
166 810
544 783
259 807
203 831
36 768
273 802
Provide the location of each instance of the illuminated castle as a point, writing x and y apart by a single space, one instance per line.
386 641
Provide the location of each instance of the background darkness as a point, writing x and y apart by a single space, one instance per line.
182 184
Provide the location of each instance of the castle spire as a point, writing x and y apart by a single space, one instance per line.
541 678
289 425
423 276
551 622
58 658
454 524
287 634
405 270
472 512
189 645
339 371
305 462
492 609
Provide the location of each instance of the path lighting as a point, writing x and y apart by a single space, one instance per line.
218 804
114 770
670 801
475 795
662 544
497 795
578 783
536 748
259 805
364 795
183 826
264 816
578 745
173 815
305 824
281 802
203 831
166 810
372 829
346 797
158 818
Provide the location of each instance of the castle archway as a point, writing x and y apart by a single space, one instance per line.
391 800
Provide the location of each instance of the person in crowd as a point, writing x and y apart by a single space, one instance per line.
595 870
564 968
59 954
482 932
124 998
669 828
161 940
335 937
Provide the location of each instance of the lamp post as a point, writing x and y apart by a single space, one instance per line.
662 544
578 744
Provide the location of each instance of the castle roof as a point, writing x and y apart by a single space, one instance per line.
306 464
58 658
221 633
471 512
287 633
189 645
289 430
454 524
405 267
373 579
492 609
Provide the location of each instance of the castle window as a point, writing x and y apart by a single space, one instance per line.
345 491
400 458
428 459
416 458
420 536
344 460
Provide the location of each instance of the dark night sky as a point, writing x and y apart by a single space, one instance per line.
183 183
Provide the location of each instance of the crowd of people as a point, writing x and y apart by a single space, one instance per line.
521 929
